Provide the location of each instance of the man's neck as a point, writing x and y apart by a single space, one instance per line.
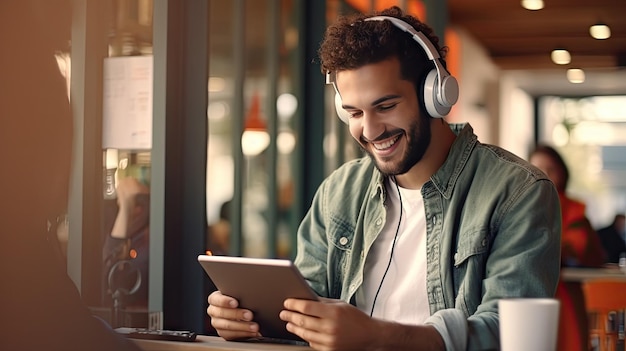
440 143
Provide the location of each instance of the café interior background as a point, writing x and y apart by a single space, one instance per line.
255 95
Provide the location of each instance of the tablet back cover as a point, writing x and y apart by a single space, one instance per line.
260 285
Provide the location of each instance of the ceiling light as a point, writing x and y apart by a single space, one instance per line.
561 56
255 138
216 84
600 31
532 4
575 75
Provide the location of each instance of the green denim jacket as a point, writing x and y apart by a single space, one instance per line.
493 231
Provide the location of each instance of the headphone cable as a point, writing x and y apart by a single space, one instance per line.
393 246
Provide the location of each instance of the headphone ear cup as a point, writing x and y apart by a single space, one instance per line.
344 116
434 108
449 91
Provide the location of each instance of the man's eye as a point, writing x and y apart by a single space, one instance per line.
356 114
386 107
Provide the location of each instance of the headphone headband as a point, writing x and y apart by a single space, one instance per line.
441 90
419 37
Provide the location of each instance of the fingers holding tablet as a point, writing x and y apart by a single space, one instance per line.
216 298
230 322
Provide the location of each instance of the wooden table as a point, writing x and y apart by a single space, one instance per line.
583 274
214 343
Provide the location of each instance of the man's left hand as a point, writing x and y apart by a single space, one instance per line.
330 324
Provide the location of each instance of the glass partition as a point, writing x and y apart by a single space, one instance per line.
253 104
126 147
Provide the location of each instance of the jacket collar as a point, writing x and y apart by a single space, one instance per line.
446 176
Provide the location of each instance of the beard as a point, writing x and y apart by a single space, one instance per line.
418 139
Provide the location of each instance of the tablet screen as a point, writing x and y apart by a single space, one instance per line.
260 285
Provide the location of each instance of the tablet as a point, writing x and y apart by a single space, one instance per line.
260 285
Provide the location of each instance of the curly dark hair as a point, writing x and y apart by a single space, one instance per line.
351 43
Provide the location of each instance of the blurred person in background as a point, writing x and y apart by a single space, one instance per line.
218 233
125 250
613 239
40 307
580 247
580 243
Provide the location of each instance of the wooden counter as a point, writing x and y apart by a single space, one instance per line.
583 274
214 343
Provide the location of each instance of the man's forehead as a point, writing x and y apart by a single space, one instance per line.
380 73
389 70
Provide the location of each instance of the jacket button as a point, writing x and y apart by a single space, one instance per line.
456 256
343 240
434 220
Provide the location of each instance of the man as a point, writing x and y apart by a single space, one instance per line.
41 308
412 246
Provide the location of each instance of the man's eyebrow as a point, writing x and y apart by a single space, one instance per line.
385 98
375 102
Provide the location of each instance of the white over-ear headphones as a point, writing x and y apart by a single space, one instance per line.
441 90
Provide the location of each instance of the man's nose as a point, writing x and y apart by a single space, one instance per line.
372 126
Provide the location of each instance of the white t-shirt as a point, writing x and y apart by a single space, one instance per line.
402 296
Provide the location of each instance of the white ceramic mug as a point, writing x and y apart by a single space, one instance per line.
528 324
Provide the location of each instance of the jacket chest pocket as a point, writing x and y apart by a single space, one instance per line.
340 236
470 245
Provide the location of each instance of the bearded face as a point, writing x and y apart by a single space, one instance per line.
416 139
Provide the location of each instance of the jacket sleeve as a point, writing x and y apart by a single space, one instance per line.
312 246
523 261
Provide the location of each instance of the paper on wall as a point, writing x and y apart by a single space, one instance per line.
127 103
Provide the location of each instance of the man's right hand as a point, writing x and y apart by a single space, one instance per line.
231 322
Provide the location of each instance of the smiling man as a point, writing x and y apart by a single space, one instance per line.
412 246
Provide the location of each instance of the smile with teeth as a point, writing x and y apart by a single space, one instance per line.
386 144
